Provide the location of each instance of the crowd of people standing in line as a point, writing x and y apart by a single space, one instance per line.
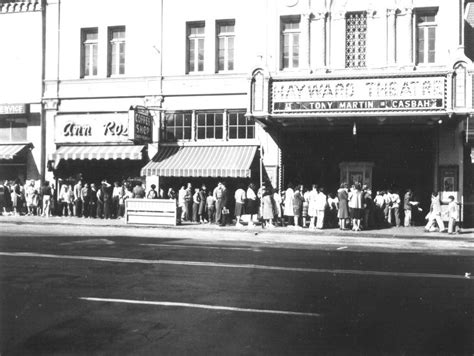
349 208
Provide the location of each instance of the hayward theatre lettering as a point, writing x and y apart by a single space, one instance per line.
97 128
375 94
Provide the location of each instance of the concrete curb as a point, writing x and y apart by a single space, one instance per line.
392 233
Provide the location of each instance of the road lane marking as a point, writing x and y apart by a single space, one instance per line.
204 247
200 306
241 266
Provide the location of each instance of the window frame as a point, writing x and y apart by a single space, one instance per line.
250 123
357 47
110 47
92 59
292 19
206 126
180 127
226 36
426 26
194 38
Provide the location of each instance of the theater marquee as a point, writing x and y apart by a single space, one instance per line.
425 93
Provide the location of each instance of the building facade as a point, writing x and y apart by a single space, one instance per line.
288 91
21 77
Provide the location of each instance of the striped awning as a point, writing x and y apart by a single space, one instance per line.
202 161
132 152
10 151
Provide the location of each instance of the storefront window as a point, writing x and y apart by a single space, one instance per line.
240 126
12 131
210 126
178 126
356 39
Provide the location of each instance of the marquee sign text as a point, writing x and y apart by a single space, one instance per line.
356 95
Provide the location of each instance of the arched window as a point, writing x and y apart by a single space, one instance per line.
258 88
459 85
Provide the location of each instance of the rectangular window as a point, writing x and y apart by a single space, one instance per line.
290 42
356 39
13 131
425 38
195 47
89 52
116 55
178 126
210 126
240 126
225 45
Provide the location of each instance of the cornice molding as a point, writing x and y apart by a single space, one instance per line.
20 6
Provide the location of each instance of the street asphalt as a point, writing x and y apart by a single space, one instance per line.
68 287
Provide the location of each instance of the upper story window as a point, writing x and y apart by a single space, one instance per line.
178 126
240 126
116 54
225 45
425 37
290 42
210 125
195 47
356 39
89 52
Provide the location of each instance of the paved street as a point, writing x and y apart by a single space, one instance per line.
78 289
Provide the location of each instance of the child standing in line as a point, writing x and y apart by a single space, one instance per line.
453 215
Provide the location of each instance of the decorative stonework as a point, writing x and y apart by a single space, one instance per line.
51 104
19 6
153 101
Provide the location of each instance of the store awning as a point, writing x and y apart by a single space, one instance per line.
205 161
132 152
10 151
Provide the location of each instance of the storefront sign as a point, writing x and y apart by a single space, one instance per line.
359 95
141 125
13 109
93 128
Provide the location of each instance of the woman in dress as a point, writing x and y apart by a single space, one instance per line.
312 211
343 210
252 204
278 210
356 210
288 211
267 211
298 204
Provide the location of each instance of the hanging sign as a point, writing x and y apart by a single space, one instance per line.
425 93
140 124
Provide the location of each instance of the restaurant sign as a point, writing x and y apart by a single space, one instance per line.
425 93
91 128
140 124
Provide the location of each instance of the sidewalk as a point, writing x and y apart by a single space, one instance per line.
398 233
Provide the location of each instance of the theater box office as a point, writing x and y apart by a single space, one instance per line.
388 130
94 147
